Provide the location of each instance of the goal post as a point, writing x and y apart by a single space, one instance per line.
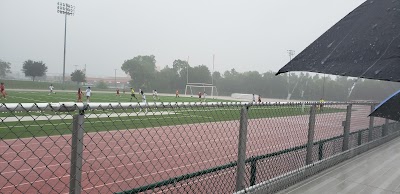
193 89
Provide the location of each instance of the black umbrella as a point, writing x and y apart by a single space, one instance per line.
365 43
389 108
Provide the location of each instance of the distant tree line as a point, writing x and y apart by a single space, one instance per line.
36 69
301 86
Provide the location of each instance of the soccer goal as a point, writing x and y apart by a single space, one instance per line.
193 89
248 97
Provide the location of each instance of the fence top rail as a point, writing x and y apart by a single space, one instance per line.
73 106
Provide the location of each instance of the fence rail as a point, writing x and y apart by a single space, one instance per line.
172 147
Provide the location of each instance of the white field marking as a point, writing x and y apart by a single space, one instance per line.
45 95
93 143
117 147
101 132
159 172
103 142
154 173
87 133
121 165
25 98
118 155
108 183
145 161
87 116
114 135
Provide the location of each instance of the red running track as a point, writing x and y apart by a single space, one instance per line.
121 160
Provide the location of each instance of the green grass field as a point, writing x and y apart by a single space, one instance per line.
46 123
37 97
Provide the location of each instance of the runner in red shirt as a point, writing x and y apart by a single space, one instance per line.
117 92
3 91
79 95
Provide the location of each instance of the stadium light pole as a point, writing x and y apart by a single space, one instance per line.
291 54
67 10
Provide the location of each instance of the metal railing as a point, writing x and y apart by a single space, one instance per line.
172 147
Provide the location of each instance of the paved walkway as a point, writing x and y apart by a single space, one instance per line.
376 171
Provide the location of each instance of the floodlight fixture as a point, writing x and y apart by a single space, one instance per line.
67 10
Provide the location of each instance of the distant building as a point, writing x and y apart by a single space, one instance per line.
121 81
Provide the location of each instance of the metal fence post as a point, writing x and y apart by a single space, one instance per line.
346 131
385 128
253 172
240 172
311 126
76 154
371 125
320 151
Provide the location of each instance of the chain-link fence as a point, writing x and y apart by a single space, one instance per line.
172 147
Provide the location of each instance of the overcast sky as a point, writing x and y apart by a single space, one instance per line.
245 35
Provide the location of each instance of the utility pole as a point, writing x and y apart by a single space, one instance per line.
212 74
67 10
187 71
115 77
323 88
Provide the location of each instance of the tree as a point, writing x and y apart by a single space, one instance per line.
102 85
216 75
142 70
200 74
4 68
180 67
34 69
167 80
78 76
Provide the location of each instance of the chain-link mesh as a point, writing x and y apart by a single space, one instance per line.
171 147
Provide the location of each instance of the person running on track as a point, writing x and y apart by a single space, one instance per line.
177 94
3 91
117 92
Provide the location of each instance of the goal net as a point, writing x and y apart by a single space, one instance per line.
193 89
248 97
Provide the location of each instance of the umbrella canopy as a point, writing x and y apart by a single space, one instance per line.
365 43
389 108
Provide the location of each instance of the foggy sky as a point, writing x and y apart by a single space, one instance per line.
245 35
